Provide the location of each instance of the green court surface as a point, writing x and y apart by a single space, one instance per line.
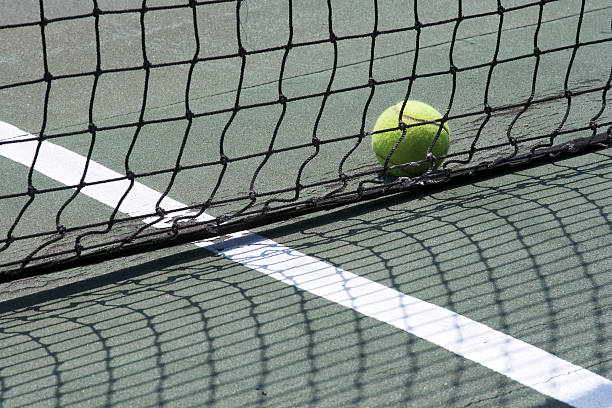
524 255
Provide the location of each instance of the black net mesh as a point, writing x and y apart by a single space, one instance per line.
262 119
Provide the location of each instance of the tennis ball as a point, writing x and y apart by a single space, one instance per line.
414 145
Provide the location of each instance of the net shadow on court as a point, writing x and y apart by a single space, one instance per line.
521 253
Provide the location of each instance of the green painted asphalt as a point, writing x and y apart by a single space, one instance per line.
525 253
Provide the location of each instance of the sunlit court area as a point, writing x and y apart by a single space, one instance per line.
316 203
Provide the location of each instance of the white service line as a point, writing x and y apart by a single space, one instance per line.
522 362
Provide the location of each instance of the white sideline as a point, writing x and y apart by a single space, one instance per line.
522 362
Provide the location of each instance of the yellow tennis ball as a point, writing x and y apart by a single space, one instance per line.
414 145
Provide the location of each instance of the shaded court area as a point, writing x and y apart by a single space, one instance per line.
190 328
242 109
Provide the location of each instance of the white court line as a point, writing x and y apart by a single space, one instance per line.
522 362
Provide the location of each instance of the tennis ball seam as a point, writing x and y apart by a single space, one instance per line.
402 169
391 162
405 116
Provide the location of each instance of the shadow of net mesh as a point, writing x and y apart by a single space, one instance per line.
143 124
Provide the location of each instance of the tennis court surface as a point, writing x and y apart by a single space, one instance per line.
192 214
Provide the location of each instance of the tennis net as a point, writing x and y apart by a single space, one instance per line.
257 112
